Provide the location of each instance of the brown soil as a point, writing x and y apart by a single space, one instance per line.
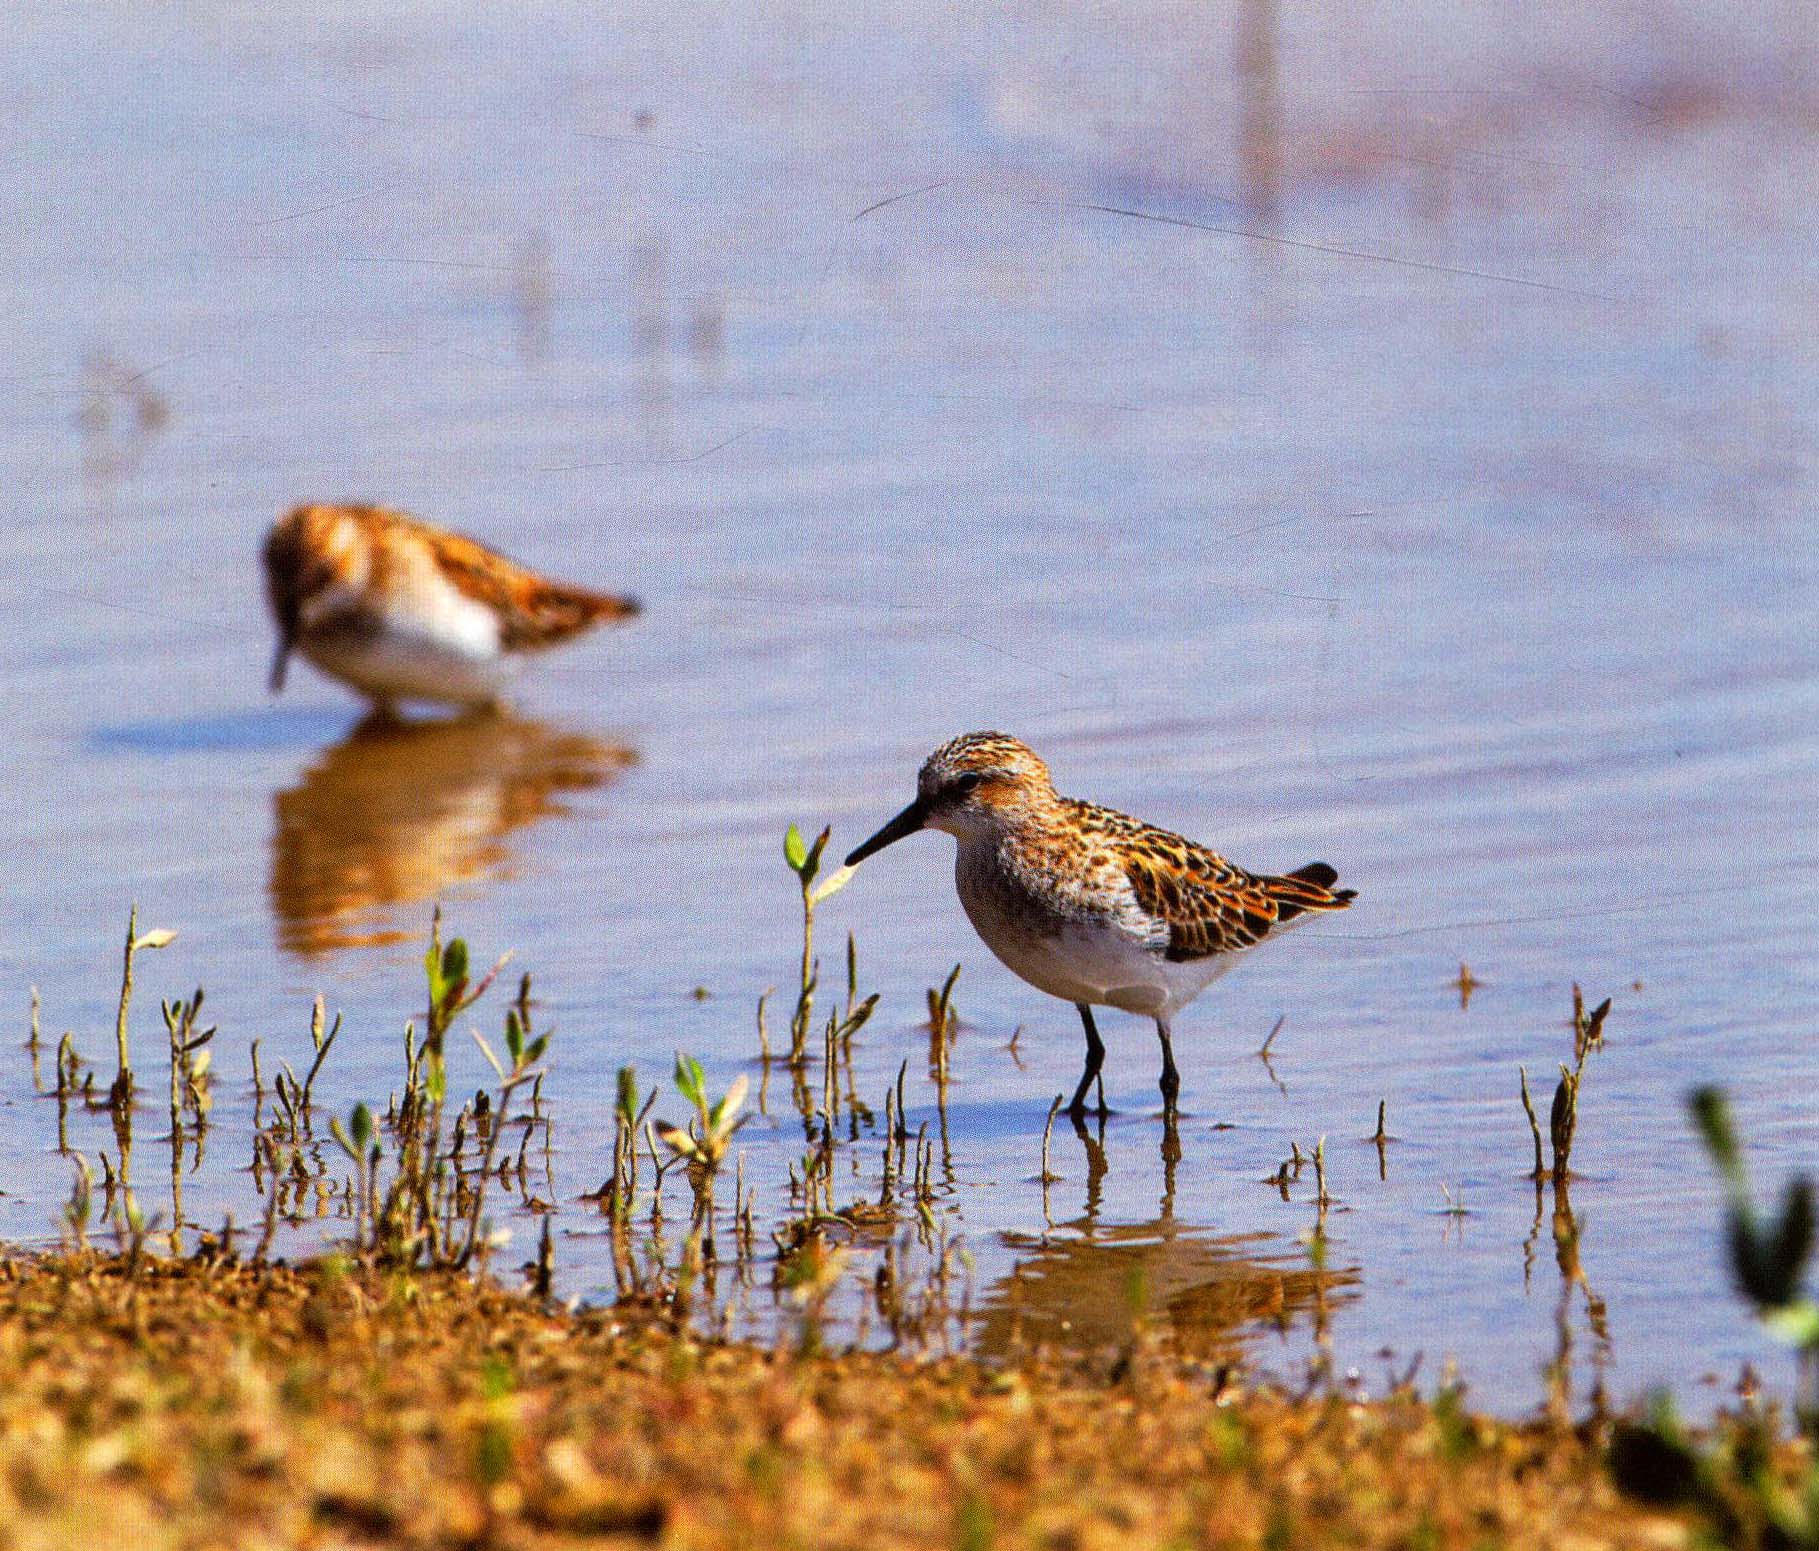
198 1404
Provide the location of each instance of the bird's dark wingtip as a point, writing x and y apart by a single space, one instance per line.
1317 872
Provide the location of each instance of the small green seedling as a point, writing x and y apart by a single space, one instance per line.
804 860
710 1133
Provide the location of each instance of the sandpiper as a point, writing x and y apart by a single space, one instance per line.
1089 904
401 610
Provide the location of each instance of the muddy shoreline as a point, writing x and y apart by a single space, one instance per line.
210 1401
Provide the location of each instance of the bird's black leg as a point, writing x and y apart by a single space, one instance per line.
1171 1079
1095 1058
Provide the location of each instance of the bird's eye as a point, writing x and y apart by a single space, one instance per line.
967 782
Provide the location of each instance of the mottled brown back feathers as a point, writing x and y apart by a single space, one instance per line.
534 612
317 545
1208 904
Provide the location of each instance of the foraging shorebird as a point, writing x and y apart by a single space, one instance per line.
400 610
1091 905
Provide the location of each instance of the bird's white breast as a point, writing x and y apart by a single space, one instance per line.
1102 959
1109 957
427 641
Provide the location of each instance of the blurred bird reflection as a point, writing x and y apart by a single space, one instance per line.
1082 1287
1081 1290
398 812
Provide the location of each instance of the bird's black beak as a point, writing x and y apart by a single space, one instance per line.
280 661
911 819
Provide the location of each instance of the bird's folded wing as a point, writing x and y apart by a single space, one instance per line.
533 611
1210 905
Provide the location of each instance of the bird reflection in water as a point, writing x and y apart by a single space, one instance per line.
1080 1288
399 811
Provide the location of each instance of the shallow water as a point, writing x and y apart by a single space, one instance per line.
1460 538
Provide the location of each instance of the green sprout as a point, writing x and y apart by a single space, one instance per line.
804 860
710 1133
703 1145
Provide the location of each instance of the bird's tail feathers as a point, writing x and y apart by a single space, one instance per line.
551 612
1308 888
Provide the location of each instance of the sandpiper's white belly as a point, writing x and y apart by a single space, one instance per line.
1108 960
393 664
439 646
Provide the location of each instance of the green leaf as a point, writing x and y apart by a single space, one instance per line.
361 1126
1786 1246
514 1036
628 1094
691 1081
1796 1324
454 969
1750 1259
454 959
1714 1117
794 851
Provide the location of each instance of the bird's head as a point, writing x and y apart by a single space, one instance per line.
973 785
310 555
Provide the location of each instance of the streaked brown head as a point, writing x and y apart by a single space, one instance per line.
974 781
300 561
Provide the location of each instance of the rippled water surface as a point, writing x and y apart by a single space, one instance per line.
1387 440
